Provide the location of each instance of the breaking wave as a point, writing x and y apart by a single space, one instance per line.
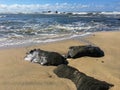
17 30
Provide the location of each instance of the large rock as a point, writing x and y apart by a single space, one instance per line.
87 50
82 81
45 57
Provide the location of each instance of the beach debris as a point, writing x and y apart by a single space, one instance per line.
81 80
102 61
86 50
45 57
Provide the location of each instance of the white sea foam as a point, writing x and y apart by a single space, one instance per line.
80 13
14 35
94 13
3 39
70 28
23 42
2 16
2 26
110 13
20 30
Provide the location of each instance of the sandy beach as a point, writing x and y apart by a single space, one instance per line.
18 74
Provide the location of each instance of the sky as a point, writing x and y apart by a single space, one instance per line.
29 6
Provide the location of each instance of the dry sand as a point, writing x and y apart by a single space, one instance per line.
17 74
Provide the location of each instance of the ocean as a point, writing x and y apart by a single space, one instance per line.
29 29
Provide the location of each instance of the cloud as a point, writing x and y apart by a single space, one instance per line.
15 8
25 8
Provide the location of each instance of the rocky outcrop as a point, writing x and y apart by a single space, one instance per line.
82 81
45 57
87 50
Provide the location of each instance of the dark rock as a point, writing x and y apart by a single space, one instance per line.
49 11
87 50
56 12
118 18
45 57
82 81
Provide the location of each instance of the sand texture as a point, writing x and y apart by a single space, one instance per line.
17 74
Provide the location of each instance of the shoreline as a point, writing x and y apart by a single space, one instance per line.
74 37
18 74
82 38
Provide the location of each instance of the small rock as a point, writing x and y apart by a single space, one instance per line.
102 61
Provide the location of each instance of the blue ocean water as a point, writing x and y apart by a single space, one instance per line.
25 29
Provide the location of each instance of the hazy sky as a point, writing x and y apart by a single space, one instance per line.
60 5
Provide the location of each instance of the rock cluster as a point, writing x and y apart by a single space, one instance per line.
82 81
